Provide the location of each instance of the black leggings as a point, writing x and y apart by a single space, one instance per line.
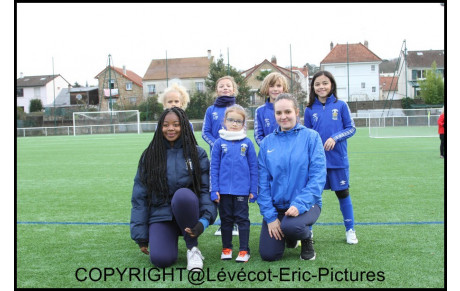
441 148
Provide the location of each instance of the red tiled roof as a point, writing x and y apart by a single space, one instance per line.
386 82
182 68
130 75
357 53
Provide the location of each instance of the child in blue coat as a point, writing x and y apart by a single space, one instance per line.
331 118
226 90
234 180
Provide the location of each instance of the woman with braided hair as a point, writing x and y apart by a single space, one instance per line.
171 193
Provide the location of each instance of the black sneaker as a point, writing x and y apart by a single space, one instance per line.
292 244
307 252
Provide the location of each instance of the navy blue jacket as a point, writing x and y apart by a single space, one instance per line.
178 177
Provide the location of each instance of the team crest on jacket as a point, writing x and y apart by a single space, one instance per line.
224 148
335 113
244 148
215 116
267 122
315 117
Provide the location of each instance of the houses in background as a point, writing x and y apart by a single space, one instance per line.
418 62
189 72
254 78
356 71
354 66
119 85
44 87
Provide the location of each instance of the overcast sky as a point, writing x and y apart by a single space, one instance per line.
80 36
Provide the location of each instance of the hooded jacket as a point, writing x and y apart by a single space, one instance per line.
264 121
233 165
292 171
213 119
333 119
142 215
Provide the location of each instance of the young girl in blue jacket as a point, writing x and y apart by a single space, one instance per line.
226 90
292 173
331 117
171 193
234 180
264 121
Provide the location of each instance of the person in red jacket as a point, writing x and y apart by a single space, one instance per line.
441 131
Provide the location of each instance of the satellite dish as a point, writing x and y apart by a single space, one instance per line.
79 97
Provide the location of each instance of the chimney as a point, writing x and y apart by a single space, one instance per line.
273 60
366 43
209 54
21 75
332 45
124 70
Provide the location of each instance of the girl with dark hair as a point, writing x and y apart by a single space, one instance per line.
171 193
331 117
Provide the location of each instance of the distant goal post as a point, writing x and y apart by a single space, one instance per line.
103 122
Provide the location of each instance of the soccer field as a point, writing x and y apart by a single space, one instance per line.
74 200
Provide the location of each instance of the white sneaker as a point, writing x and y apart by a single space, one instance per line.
226 254
243 257
194 260
235 230
351 237
218 232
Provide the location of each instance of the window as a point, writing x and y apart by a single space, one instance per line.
132 100
129 86
418 74
363 85
373 68
111 84
152 89
37 92
19 92
373 89
199 86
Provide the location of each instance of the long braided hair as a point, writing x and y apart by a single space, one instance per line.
153 161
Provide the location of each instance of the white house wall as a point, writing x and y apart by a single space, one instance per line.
358 73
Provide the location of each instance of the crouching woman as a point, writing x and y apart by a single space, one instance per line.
171 193
292 174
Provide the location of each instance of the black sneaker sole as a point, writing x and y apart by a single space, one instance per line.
311 259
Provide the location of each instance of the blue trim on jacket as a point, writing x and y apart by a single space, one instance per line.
264 121
332 120
233 168
178 177
292 171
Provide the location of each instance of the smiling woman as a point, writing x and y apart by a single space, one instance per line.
171 127
171 193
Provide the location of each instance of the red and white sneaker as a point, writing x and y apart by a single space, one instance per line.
243 257
226 254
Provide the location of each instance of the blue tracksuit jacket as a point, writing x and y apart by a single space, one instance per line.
292 171
332 120
264 121
212 123
233 168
